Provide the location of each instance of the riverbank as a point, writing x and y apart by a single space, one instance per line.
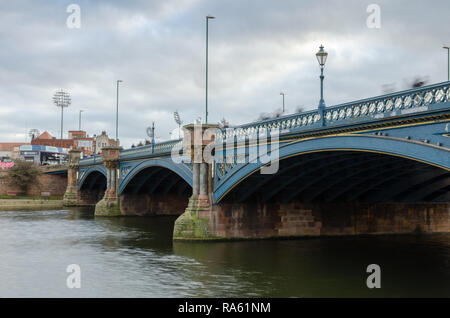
13 204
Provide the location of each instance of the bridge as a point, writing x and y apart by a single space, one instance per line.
373 166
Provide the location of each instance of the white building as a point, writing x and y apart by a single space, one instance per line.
103 141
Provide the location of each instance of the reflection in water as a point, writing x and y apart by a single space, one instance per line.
135 257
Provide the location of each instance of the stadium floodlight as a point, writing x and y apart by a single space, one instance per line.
176 116
62 99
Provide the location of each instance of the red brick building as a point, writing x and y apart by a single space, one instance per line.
77 139
45 139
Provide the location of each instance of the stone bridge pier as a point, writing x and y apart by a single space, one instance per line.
71 195
110 204
194 222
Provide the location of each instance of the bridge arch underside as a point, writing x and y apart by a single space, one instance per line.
93 188
346 176
339 192
153 191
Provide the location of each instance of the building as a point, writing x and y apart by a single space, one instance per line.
77 139
82 141
43 155
77 134
10 150
45 139
103 141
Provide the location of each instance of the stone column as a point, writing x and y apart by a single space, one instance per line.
110 204
194 222
71 195
195 180
203 181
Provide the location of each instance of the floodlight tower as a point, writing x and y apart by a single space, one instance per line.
176 116
62 99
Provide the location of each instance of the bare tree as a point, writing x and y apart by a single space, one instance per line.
23 174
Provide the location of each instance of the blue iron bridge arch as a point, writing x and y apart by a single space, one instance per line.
86 171
403 130
233 174
129 170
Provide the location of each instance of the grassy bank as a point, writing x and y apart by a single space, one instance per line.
22 197
15 204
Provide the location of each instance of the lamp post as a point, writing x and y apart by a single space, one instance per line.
208 17
151 134
153 137
117 113
448 62
95 147
79 120
282 94
321 58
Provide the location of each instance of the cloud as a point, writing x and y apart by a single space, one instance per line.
257 49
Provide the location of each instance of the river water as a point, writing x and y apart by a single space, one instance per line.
135 257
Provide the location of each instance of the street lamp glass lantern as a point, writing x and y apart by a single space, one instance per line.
321 56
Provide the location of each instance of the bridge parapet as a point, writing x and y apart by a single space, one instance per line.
405 103
148 150
97 159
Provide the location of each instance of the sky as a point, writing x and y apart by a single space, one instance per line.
257 49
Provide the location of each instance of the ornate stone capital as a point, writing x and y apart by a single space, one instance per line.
196 138
111 157
111 164
73 165
74 157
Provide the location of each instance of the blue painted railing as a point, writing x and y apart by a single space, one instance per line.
159 148
396 104
147 150
97 159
